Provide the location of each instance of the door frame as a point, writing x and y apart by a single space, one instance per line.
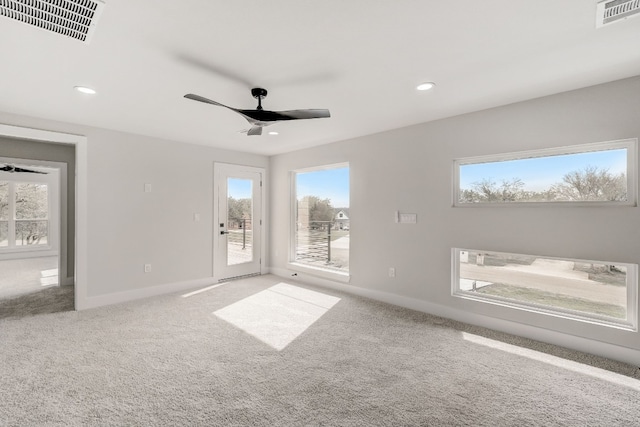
215 233
80 142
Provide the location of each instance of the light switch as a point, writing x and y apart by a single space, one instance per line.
147 188
196 217
408 218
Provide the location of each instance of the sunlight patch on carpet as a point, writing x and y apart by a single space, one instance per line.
279 314
199 291
556 361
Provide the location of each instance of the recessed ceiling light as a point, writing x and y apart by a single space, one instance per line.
84 89
425 86
273 133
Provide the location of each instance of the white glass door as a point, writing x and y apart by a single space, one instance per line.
238 221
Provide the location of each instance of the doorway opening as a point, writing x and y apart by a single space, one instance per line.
37 221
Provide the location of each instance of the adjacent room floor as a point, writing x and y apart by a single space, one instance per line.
30 286
27 275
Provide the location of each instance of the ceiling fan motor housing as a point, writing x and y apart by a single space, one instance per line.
258 92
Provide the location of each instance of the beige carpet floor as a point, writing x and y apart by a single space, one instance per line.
258 352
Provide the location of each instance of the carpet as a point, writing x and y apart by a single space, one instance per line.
43 301
171 361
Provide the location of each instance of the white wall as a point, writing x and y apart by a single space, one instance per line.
126 227
410 170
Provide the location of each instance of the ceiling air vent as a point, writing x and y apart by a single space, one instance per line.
71 18
610 11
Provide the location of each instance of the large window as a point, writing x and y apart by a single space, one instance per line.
321 218
602 173
595 291
24 215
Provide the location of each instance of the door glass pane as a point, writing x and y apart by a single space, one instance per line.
239 221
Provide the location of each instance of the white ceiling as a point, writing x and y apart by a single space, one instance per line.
360 58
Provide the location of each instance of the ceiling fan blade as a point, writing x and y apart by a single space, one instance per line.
306 114
256 130
275 116
12 169
27 171
207 101
260 117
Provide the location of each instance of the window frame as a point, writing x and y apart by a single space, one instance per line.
293 264
630 144
12 221
629 324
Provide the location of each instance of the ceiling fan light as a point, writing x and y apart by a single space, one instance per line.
426 86
273 133
84 89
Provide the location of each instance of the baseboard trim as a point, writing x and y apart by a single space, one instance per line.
610 351
69 281
136 294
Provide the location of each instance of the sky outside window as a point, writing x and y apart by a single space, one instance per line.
332 184
539 173
239 188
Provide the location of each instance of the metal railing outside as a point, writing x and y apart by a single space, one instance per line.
240 231
314 243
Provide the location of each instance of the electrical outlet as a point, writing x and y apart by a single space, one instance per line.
147 268
392 272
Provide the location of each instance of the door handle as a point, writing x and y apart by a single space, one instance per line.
224 232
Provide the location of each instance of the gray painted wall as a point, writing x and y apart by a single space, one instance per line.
127 227
410 170
34 150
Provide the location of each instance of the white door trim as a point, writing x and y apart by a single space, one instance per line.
215 236
81 173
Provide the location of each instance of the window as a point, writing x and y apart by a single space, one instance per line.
31 211
596 291
602 173
24 215
321 224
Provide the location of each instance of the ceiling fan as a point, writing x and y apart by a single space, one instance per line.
260 117
13 169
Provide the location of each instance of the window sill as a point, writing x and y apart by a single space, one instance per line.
26 248
544 310
324 273
14 253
